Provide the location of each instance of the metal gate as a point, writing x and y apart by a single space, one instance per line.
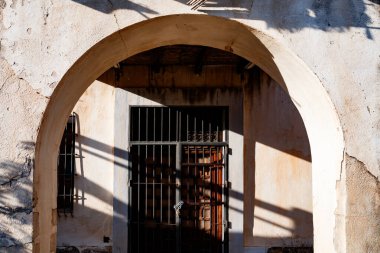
178 196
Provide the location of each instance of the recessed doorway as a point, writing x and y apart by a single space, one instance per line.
178 194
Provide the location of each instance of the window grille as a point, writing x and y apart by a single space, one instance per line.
66 168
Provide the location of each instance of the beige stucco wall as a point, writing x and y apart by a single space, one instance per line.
282 185
93 204
338 41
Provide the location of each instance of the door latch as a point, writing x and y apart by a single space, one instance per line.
227 225
177 207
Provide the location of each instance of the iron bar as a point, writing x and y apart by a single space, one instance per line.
143 143
169 178
138 195
161 183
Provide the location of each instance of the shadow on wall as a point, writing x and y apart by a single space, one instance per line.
16 202
293 15
109 6
290 15
150 232
287 132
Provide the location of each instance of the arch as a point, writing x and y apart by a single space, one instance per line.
304 88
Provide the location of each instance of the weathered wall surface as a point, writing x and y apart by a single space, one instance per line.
40 40
20 110
278 192
93 185
363 206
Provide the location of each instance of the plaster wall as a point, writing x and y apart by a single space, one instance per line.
93 186
40 40
281 188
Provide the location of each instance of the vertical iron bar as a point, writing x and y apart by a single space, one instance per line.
203 190
178 196
169 180
161 183
146 182
176 125
202 136
187 126
162 122
195 128
179 125
146 176
154 124
169 185
146 123
139 122
138 192
169 126
154 178
195 192
209 131
188 174
226 199
211 216
72 165
224 133
64 172
216 194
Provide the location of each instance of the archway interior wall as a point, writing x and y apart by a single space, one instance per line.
304 88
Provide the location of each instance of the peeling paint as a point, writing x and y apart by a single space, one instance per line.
363 208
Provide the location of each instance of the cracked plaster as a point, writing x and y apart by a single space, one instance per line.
363 207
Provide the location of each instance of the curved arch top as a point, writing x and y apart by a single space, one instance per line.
306 91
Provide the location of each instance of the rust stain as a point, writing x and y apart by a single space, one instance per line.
36 228
54 217
53 241
53 235
229 48
186 27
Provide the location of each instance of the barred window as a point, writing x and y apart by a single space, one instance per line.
66 168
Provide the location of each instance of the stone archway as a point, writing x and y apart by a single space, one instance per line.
304 88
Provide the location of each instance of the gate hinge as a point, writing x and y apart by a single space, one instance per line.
130 183
229 151
227 184
227 224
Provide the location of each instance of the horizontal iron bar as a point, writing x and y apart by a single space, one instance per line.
203 164
160 224
218 203
186 143
153 184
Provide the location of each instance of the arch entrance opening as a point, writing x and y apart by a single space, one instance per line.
186 121
278 65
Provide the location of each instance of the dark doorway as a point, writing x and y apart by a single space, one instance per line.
178 190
